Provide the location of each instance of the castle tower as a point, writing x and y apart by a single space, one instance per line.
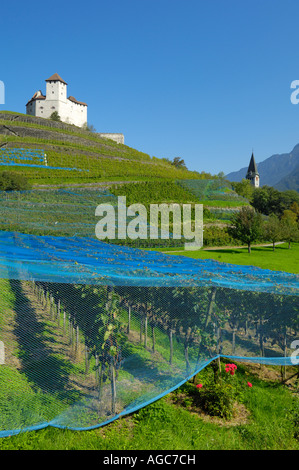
56 89
252 173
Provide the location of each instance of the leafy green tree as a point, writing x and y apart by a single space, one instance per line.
273 229
179 163
246 226
294 207
55 116
289 227
244 188
10 181
268 200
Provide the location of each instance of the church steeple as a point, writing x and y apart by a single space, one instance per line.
252 172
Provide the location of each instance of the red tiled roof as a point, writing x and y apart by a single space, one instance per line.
71 98
36 98
55 78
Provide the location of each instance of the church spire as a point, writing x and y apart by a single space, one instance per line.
252 172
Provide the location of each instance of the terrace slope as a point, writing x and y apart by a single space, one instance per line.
88 156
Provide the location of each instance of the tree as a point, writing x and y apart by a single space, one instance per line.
246 226
244 188
273 230
89 127
10 181
290 230
55 116
179 163
268 200
294 207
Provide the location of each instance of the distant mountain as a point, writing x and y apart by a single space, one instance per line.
280 171
291 181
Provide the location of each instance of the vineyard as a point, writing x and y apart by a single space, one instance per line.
211 190
88 157
94 331
91 331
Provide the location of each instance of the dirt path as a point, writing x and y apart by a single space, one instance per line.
212 248
239 247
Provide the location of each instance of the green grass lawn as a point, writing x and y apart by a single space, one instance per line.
165 425
282 259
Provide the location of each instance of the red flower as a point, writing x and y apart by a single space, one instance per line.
249 384
199 386
230 368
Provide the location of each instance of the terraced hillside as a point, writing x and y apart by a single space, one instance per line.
74 155
216 195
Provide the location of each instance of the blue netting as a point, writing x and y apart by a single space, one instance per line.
32 158
93 331
18 155
89 261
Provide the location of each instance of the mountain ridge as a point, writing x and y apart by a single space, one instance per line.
280 171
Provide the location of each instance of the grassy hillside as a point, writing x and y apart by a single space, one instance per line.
88 157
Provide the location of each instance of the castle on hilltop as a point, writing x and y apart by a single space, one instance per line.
252 173
69 109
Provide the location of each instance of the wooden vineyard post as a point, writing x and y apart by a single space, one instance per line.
86 359
218 348
52 307
64 321
129 319
145 330
77 349
71 331
154 338
113 389
234 341
58 312
170 346
97 368
100 382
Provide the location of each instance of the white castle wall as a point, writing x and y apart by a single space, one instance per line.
56 100
118 138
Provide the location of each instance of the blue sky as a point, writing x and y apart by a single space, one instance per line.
204 80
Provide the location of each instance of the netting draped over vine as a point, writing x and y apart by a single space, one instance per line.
91 331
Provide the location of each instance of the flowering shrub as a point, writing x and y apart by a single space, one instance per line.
217 400
217 395
230 368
